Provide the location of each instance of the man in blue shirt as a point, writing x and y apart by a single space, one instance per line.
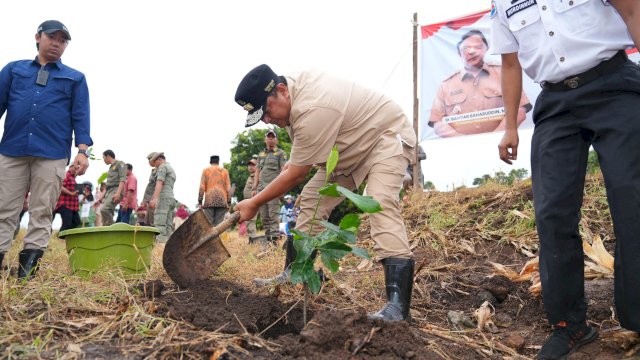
46 104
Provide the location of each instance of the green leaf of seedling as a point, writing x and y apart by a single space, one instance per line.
313 281
102 178
342 235
332 161
364 203
336 254
350 222
329 190
304 248
329 262
297 234
360 252
334 245
296 273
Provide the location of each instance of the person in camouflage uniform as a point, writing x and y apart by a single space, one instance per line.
270 163
148 191
116 178
163 201
248 193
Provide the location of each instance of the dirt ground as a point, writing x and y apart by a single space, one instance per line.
460 239
225 306
445 285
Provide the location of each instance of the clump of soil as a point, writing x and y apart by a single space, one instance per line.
231 308
342 334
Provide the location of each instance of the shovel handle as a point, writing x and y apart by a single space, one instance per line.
216 231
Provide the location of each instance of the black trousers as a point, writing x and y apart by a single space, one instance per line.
604 113
70 218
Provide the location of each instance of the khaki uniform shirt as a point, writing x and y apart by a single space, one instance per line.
247 192
166 174
366 126
151 186
116 174
462 93
270 163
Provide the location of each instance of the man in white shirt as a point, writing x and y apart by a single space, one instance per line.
591 96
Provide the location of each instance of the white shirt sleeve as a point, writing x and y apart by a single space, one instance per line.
502 40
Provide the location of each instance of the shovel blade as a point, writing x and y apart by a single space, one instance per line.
186 268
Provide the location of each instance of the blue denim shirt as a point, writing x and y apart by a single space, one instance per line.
40 119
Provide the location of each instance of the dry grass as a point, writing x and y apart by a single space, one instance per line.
57 315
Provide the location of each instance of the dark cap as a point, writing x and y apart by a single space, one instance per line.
51 26
214 159
271 132
253 91
252 161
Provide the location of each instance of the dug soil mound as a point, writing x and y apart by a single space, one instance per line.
222 306
227 307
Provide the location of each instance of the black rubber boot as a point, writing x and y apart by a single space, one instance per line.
398 277
290 251
29 261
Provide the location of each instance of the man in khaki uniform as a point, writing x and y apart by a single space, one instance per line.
148 191
162 200
375 142
116 178
476 87
271 160
248 193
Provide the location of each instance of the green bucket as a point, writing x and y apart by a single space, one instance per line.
120 245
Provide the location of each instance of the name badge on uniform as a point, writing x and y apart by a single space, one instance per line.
519 7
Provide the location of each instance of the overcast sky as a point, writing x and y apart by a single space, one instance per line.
162 74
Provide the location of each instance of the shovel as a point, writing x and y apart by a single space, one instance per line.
194 251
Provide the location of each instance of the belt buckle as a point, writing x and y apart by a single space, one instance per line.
572 83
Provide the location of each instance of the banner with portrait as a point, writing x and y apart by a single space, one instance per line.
460 81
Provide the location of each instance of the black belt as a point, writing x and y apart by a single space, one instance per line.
576 81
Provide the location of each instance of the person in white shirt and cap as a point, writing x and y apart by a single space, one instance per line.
591 96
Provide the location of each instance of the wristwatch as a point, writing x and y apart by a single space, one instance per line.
83 152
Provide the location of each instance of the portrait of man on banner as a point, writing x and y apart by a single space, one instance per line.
469 101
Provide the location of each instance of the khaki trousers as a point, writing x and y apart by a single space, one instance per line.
19 175
251 227
108 207
383 184
270 215
163 217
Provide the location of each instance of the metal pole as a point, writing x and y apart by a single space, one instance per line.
416 168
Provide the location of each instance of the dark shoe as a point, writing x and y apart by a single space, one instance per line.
1 259
29 261
398 277
273 239
565 339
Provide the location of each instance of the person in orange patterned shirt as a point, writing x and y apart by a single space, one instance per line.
215 191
